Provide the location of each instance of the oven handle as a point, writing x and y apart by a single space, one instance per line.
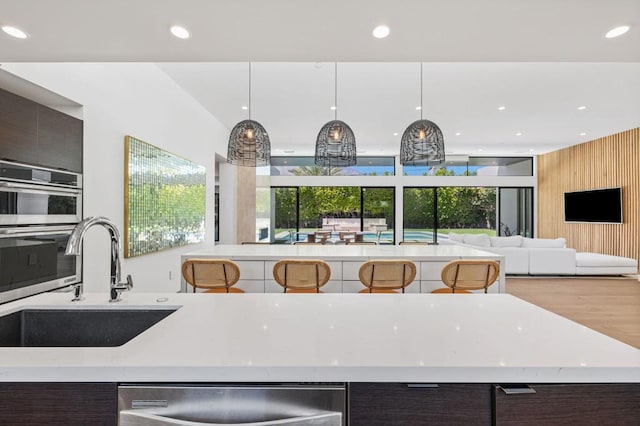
37 230
27 188
137 418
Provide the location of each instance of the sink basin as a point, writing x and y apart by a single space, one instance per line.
76 327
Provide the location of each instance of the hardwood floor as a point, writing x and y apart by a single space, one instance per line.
608 305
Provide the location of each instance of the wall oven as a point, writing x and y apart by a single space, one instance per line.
36 196
39 208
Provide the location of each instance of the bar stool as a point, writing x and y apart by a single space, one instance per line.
301 275
463 275
385 276
215 275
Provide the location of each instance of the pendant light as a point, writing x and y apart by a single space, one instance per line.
422 143
336 143
249 142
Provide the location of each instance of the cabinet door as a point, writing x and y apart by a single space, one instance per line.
372 404
18 128
583 404
59 140
58 404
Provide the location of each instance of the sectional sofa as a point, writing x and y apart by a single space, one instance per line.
541 256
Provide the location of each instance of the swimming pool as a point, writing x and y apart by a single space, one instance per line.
386 237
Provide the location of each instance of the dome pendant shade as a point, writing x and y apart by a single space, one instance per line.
422 144
249 145
335 145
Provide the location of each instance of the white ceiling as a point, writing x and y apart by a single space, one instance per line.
541 59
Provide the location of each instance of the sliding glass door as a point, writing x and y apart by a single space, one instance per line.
515 211
378 214
419 215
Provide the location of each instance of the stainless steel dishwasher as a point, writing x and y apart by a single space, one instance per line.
247 405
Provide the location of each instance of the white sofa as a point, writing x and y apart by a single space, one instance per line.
533 256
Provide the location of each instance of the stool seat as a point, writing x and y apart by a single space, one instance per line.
224 290
302 290
449 291
377 290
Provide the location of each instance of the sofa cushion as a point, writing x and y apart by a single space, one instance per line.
480 240
456 237
516 259
552 261
512 241
544 242
604 260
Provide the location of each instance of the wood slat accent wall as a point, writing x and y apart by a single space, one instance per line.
608 162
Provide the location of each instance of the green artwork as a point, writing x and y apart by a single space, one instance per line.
164 199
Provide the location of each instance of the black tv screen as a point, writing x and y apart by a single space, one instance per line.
599 205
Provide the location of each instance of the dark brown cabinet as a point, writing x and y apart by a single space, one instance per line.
372 404
35 134
579 404
18 128
59 404
59 140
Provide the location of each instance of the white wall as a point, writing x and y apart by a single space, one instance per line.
141 101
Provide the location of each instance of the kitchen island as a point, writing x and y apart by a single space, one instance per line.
256 263
331 337
392 351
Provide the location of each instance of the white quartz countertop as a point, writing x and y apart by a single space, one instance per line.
332 338
340 252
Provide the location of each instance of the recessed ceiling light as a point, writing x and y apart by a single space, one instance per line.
370 162
14 32
381 31
501 108
288 151
617 31
480 149
531 150
395 133
582 108
458 133
519 134
180 32
418 108
333 108
244 107
583 134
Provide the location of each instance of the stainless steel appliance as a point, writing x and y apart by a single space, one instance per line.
39 208
31 195
248 405
32 260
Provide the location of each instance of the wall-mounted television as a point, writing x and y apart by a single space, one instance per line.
598 206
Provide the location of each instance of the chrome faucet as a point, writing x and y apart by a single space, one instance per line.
74 248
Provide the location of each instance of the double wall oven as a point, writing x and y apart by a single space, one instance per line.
39 208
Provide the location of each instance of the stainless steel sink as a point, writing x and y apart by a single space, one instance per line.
76 327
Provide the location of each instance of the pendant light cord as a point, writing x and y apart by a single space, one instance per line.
335 89
420 90
249 90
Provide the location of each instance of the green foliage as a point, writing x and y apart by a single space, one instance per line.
164 216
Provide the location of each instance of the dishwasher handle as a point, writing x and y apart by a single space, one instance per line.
140 418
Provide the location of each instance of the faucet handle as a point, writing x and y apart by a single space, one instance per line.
77 292
119 288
